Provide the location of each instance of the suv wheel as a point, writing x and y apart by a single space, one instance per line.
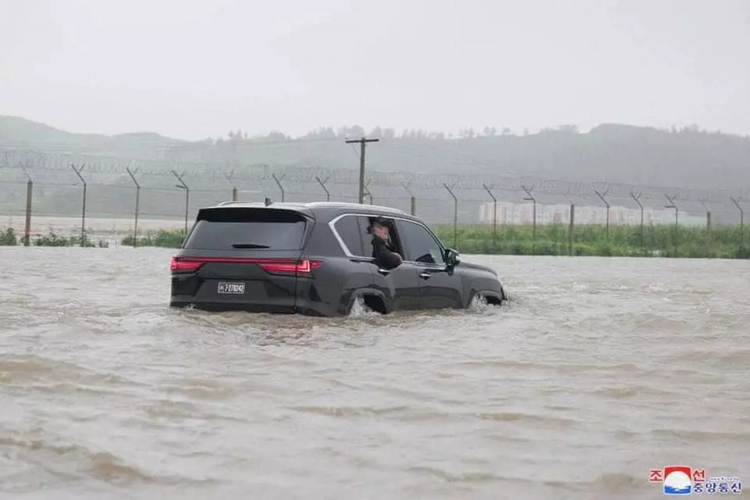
478 303
366 304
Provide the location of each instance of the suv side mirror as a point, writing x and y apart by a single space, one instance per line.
452 258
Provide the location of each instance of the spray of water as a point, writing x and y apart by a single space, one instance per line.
478 304
359 309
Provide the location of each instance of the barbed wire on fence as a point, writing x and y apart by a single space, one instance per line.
164 183
101 164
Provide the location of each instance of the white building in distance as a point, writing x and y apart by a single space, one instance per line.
523 213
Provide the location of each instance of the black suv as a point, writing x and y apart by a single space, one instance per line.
317 259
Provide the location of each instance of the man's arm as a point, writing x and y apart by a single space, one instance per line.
383 256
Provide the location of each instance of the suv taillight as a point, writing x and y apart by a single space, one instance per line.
302 267
275 266
178 265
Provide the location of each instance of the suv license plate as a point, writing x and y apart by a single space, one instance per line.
231 288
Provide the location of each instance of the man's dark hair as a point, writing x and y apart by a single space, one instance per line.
379 221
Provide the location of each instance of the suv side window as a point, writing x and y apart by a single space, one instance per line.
365 235
419 245
365 224
348 229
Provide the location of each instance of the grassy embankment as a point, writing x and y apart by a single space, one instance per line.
589 240
665 241
8 237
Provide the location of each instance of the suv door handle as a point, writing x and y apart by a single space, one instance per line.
425 275
384 272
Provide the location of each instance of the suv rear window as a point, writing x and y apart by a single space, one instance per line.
247 229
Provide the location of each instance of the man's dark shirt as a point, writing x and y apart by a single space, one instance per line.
385 255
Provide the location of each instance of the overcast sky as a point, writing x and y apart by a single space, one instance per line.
194 69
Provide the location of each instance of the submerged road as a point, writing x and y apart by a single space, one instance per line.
599 370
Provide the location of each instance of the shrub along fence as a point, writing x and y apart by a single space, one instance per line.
8 237
725 242
557 239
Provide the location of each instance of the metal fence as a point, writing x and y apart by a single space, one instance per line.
113 197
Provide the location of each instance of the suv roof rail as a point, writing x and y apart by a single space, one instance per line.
313 204
342 204
228 203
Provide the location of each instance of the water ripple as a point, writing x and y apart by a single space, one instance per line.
595 372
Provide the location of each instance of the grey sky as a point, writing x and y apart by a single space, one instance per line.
194 69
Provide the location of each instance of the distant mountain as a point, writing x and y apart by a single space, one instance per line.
687 158
20 133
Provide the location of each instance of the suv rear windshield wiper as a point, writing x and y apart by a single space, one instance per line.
248 245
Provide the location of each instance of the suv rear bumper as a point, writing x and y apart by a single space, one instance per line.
304 307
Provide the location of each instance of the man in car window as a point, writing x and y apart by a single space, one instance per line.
384 251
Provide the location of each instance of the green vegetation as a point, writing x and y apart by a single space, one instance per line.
657 241
9 238
162 239
624 241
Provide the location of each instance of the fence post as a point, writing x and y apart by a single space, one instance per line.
29 197
184 186
708 228
570 230
27 229
366 191
278 183
601 196
229 180
83 209
676 221
742 221
323 185
530 198
137 204
455 216
638 201
494 215
412 198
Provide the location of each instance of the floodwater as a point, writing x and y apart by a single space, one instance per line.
599 370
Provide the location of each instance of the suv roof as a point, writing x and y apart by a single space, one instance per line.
312 206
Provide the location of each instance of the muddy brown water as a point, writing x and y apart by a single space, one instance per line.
598 370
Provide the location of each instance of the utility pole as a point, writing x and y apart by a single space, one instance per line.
362 144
